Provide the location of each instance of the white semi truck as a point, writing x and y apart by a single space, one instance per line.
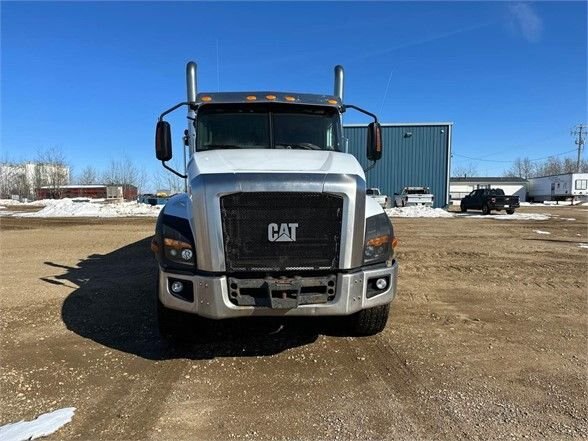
276 221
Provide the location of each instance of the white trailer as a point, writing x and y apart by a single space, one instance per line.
558 187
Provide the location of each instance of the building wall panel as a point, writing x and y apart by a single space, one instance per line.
413 155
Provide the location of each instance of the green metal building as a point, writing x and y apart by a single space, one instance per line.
414 154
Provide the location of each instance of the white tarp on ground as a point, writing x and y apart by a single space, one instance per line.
43 425
73 208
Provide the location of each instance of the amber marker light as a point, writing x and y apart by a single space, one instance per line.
394 242
332 101
270 97
177 244
206 98
378 241
290 98
154 245
251 98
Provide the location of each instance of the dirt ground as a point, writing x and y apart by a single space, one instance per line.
487 339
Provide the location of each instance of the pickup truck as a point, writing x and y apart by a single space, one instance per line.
487 199
380 198
413 196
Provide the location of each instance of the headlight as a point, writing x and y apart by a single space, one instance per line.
176 247
173 244
379 240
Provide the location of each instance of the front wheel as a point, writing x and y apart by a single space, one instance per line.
485 209
510 211
173 325
370 321
462 208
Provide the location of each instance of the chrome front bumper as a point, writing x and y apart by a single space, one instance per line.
211 298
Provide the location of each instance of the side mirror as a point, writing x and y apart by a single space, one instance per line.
374 142
163 143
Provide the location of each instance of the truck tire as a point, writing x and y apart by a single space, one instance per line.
485 209
174 326
370 321
510 211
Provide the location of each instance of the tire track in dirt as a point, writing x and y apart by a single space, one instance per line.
389 376
131 408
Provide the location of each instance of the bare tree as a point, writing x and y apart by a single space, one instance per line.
464 171
51 170
521 168
88 176
13 180
124 172
552 166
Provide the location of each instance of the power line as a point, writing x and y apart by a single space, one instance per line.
511 161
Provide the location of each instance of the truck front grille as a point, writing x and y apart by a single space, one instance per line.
281 231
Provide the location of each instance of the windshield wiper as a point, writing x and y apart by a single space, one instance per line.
302 146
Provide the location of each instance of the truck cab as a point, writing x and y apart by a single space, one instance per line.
275 221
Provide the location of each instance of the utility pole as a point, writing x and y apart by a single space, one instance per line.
580 132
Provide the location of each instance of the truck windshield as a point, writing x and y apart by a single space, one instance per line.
267 127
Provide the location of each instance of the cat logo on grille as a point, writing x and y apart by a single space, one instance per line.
282 232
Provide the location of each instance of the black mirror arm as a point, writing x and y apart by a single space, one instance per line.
171 109
173 171
359 109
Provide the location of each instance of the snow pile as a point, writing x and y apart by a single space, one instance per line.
515 216
71 208
43 425
418 211
583 245
7 202
541 232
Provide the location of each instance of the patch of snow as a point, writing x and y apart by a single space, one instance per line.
7 202
568 218
418 211
73 208
514 216
43 425
541 232
583 245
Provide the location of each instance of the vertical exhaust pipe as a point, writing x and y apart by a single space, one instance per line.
339 82
191 81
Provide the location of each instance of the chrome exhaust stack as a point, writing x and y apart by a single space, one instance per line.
191 81
339 82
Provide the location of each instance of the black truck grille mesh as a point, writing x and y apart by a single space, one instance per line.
252 244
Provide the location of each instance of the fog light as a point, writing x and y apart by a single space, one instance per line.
187 254
381 283
177 287
173 252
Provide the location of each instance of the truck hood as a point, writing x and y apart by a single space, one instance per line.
274 161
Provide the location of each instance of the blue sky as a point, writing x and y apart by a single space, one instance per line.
91 78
